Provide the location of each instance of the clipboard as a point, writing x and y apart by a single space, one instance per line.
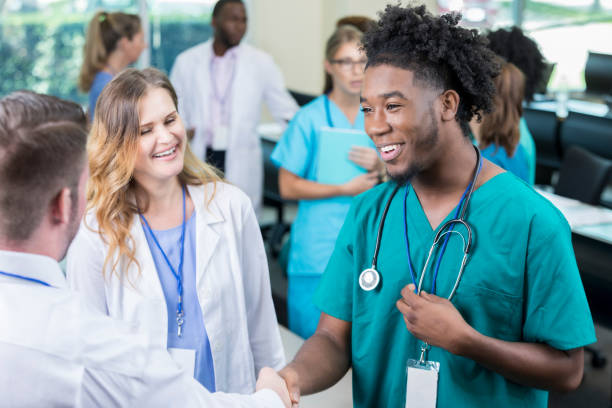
333 164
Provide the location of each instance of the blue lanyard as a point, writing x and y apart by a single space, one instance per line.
24 278
461 204
178 275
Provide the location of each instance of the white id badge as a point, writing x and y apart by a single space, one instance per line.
185 358
220 137
422 384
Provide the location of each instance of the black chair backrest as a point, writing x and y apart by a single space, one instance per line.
583 175
598 73
544 127
301 98
542 87
270 193
594 133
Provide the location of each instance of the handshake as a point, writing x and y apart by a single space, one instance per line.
285 386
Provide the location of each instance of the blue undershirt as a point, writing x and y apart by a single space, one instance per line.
100 80
194 336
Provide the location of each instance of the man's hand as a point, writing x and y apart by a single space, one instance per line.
268 378
433 319
291 379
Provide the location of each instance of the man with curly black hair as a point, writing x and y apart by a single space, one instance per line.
497 330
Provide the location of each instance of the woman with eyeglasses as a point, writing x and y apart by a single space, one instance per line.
325 159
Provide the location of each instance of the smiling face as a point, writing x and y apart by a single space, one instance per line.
402 119
162 140
346 68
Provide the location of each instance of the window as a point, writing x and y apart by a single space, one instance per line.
566 30
41 42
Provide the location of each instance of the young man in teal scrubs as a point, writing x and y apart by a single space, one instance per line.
519 318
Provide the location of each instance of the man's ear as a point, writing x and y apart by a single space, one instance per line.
61 207
450 104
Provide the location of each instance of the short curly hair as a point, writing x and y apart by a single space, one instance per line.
515 47
439 53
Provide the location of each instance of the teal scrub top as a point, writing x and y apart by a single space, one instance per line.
528 144
318 222
521 283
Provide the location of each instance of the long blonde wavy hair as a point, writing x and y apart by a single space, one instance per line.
112 150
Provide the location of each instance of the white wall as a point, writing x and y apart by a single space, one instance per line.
294 33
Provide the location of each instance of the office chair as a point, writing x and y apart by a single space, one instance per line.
544 127
594 133
273 234
583 175
598 74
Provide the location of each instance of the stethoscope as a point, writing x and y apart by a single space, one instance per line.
370 277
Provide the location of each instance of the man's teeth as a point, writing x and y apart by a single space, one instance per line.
389 148
166 153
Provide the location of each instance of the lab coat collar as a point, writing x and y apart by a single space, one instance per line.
208 210
32 266
208 214
231 52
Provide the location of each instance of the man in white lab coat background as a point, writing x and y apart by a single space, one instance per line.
221 85
55 349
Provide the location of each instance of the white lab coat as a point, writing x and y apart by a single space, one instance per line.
56 350
232 283
256 79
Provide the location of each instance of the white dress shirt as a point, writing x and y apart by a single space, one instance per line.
56 350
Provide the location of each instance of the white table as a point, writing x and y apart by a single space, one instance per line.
338 396
588 220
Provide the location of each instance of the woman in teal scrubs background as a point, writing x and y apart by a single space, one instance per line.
498 133
514 46
322 207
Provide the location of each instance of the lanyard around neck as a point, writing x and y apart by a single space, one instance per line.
12 275
178 274
461 208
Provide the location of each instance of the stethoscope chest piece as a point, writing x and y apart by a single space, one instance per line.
369 279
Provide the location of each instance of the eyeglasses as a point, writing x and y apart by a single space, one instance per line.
348 64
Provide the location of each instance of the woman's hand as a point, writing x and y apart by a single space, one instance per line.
367 158
360 184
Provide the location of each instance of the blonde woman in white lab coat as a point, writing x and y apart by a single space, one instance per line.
221 85
169 246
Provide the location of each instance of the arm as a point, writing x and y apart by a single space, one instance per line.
294 187
264 336
280 103
322 360
435 320
84 263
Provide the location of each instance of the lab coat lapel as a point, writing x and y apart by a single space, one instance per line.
207 237
237 96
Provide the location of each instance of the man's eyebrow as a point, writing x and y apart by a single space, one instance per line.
386 95
392 94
